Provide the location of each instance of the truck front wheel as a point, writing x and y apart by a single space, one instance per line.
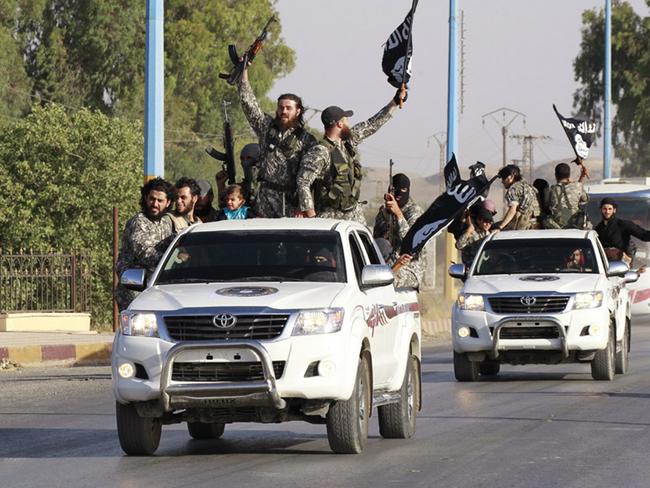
139 436
347 421
201 430
464 369
623 355
603 364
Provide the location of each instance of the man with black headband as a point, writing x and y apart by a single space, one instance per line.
283 142
332 167
146 235
403 211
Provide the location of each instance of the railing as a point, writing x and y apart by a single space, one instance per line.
53 282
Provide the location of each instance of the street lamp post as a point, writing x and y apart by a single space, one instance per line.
154 122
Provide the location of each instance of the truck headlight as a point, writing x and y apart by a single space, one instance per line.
322 321
588 300
139 324
470 302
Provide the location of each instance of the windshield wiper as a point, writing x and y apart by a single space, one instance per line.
186 280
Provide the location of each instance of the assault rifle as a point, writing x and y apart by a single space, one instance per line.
241 62
228 157
391 191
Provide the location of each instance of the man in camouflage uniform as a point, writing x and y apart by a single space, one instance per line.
283 142
520 200
394 220
565 198
146 235
469 242
332 167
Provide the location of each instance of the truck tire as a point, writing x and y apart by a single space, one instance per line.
201 430
397 420
603 365
623 355
139 436
490 367
347 421
464 369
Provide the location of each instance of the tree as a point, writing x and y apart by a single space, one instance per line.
630 81
91 54
60 175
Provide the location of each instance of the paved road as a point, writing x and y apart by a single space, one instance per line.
536 426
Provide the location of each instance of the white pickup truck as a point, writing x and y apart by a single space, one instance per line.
268 321
541 296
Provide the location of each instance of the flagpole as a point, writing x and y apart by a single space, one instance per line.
409 49
607 82
452 126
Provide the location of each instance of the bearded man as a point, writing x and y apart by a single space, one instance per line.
146 235
283 141
186 198
332 168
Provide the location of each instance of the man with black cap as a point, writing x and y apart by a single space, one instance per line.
283 141
333 168
403 211
615 234
469 242
520 199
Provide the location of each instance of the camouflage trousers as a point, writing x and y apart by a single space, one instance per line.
272 204
521 221
124 297
356 214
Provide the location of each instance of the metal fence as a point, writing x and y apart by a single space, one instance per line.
53 282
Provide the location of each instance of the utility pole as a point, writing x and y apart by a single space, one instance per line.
441 138
508 116
528 143
462 61
607 96
154 118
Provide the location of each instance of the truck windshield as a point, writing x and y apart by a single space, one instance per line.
526 256
255 256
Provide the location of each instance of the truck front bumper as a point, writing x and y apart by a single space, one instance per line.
577 330
302 375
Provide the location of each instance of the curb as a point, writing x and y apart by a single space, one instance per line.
91 354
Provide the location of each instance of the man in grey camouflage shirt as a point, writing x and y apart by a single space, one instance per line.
520 200
565 198
393 221
332 168
283 142
469 242
146 235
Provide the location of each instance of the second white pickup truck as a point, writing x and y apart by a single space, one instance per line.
268 321
542 296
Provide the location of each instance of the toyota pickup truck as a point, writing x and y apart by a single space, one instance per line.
541 296
267 321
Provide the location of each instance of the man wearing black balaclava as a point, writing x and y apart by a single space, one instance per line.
398 215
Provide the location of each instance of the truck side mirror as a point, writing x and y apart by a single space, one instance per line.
134 279
374 275
617 268
458 271
631 276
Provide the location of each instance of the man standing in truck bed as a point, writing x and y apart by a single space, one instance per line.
283 142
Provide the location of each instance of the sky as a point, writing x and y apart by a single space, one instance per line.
518 54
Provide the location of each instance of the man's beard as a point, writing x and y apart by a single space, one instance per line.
346 133
154 218
286 124
185 212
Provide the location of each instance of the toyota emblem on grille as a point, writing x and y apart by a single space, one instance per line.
224 320
528 301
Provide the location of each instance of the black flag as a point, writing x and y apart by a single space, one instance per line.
580 133
396 62
458 195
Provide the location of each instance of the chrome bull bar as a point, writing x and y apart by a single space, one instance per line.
206 391
503 322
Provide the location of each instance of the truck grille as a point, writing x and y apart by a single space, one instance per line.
529 333
244 371
548 304
197 328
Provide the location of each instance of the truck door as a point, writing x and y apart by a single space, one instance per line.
379 311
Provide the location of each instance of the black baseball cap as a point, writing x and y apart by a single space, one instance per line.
332 114
484 214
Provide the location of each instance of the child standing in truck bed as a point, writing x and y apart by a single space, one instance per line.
236 208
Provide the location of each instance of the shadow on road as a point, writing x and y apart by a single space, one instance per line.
532 419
